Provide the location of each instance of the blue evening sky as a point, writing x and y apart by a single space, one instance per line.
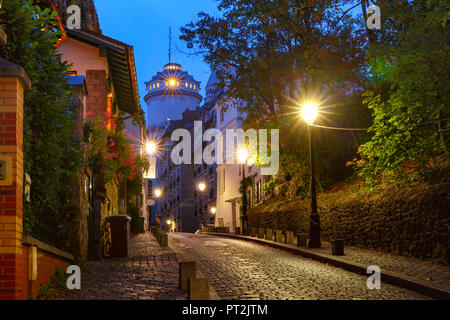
144 24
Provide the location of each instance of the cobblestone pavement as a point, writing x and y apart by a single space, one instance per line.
151 272
243 270
424 270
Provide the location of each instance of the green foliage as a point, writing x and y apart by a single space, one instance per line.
51 152
270 185
409 64
274 55
134 212
56 285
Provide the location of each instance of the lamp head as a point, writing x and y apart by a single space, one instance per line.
150 146
201 186
158 193
309 112
242 155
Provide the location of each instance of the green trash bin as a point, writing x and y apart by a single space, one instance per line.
120 235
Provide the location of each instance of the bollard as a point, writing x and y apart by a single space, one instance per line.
301 239
278 235
269 234
254 232
198 289
163 240
289 237
187 271
237 230
337 247
261 233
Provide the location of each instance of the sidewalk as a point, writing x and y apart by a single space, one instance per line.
422 276
150 272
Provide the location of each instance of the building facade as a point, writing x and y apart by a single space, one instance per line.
173 101
229 176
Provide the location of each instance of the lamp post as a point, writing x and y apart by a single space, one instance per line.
201 186
242 157
213 211
157 194
309 114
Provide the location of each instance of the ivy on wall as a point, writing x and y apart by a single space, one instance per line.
51 151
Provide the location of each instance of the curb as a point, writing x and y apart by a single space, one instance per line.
407 282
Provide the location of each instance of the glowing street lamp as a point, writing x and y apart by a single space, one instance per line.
151 147
201 186
158 193
213 210
168 222
309 112
242 155
172 82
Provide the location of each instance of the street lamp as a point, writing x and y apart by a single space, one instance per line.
158 193
151 147
309 113
213 210
201 186
242 155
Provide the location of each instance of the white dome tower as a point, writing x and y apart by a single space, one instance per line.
170 93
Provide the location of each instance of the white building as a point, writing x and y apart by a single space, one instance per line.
173 101
229 176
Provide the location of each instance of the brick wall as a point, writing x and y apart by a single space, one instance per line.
12 274
96 88
15 284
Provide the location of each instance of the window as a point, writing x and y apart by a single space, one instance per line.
157 84
222 114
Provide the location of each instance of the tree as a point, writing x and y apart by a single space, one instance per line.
51 151
272 55
409 94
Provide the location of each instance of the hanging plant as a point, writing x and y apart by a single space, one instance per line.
112 149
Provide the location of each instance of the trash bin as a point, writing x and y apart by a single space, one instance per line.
142 225
120 234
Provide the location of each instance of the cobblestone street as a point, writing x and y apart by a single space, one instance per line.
242 270
236 269
151 272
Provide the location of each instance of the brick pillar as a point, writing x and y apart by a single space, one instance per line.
13 261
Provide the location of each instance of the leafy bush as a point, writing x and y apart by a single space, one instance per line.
51 152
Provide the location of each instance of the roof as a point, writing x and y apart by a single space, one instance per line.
122 67
185 84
